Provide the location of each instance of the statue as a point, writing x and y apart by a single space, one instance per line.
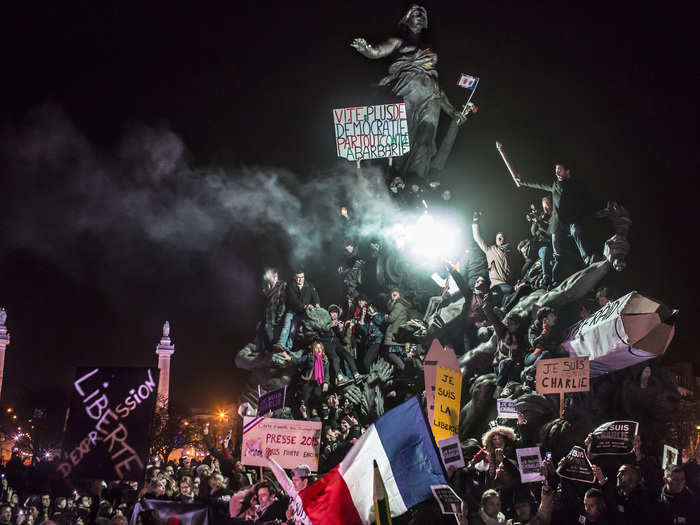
3 316
166 329
412 76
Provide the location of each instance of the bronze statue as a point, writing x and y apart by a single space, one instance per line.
412 76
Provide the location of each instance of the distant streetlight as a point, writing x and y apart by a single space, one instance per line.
9 410
14 416
186 423
222 414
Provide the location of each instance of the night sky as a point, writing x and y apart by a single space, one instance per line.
113 117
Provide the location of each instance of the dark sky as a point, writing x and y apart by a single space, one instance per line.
99 99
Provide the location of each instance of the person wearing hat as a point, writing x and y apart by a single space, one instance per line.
301 475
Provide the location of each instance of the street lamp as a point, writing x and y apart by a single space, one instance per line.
222 414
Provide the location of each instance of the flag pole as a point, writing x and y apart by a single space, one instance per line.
465 109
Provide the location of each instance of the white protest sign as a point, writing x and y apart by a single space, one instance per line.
506 408
371 132
289 441
451 452
529 463
670 458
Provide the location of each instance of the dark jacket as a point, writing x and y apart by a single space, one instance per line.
639 507
298 299
682 505
398 315
371 329
570 202
306 367
275 299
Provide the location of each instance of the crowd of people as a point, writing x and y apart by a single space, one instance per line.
357 357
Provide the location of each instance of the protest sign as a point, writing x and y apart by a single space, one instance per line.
622 333
429 367
290 442
506 408
451 452
272 400
576 466
448 391
450 502
614 438
562 375
529 463
371 132
670 458
107 431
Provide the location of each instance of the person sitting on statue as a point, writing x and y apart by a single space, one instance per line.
351 268
570 202
512 346
398 315
541 239
369 326
336 349
476 325
502 262
274 292
301 296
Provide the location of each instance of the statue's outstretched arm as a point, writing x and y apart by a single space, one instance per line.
381 50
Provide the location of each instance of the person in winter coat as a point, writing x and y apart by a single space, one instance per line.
679 504
512 347
301 296
336 349
369 326
274 293
570 203
392 350
314 378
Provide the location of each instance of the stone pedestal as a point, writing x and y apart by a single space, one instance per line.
4 341
165 350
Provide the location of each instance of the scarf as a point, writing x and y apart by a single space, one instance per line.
500 519
318 368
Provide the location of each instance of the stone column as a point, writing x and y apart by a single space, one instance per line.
165 350
4 341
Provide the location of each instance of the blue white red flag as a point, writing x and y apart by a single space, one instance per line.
467 81
406 456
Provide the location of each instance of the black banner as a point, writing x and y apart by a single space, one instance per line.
614 438
107 432
576 466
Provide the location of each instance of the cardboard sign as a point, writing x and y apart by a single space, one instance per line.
272 400
576 466
371 132
448 391
670 458
429 369
291 442
506 408
562 375
622 333
529 463
110 415
614 438
451 452
450 502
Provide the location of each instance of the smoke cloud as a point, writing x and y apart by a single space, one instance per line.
147 195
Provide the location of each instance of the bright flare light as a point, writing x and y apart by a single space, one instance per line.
427 239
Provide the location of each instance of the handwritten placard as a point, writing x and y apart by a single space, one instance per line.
448 390
107 431
371 132
563 375
289 441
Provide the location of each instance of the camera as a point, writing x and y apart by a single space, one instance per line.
532 215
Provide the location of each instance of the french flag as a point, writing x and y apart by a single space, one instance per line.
402 445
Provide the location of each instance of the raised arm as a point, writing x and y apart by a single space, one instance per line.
478 239
281 476
381 50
